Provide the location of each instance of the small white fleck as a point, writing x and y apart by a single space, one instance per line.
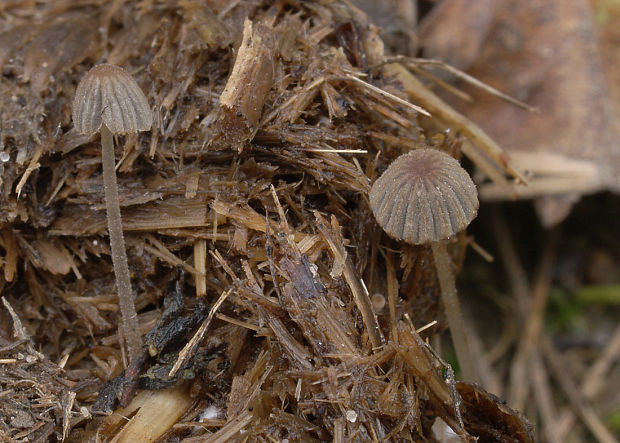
351 416
95 242
210 413
314 269
4 156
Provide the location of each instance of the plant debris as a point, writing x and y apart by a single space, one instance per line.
271 120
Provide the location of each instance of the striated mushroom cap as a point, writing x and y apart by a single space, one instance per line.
424 196
109 94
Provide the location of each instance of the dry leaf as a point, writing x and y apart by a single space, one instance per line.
545 53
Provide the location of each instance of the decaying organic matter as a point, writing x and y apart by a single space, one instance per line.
251 78
271 121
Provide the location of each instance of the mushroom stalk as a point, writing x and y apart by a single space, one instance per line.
451 305
129 316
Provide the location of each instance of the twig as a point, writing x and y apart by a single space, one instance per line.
519 382
230 429
360 295
200 263
441 83
486 255
515 272
463 76
488 376
492 170
190 348
387 95
578 402
32 166
160 250
593 381
283 222
439 109
544 399
66 413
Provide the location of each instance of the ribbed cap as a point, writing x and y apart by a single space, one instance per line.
108 93
424 196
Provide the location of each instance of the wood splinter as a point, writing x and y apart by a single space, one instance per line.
244 95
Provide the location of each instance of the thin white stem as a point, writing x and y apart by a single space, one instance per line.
451 305
129 316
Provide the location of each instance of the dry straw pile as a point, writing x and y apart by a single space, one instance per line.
271 304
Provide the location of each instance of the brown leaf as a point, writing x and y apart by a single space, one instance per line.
545 53
455 31
58 46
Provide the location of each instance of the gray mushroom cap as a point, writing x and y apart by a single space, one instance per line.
109 94
424 196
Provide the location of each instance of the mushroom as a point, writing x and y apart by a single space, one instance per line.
108 100
425 197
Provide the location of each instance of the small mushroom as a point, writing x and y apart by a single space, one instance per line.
425 197
108 100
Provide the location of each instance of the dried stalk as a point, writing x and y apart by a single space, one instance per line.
190 348
200 263
157 412
519 380
360 295
579 403
438 108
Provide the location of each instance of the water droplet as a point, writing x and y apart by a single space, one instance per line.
4 156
